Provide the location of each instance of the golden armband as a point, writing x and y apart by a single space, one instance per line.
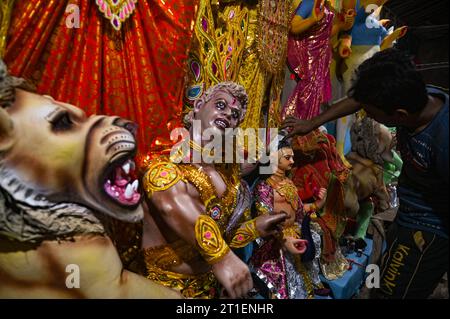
245 234
160 176
210 242
314 207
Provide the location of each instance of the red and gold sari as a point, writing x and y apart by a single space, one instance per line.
135 72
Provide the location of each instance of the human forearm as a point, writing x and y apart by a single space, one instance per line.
302 127
337 110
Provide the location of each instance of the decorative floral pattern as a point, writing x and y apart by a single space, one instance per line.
117 11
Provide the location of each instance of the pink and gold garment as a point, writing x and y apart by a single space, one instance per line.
309 58
275 266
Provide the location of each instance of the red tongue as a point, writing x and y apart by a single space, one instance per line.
120 180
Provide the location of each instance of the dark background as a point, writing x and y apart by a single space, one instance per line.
427 37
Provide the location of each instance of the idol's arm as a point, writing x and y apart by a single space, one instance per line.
318 204
86 267
186 217
388 41
299 25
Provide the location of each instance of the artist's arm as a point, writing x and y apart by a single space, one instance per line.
339 109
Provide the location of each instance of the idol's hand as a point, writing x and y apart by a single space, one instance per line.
385 22
345 50
268 225
400 32
349 18
295 246
319 10
234 276
322 198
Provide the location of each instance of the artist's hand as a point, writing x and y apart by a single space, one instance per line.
322 198
234 276
299 127
319 10
295 246
268 225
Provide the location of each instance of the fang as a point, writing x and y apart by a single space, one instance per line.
126 168
129 192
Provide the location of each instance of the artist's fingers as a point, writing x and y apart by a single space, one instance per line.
278 218
285 126
276 231
289 121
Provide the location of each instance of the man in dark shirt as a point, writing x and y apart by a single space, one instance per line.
391 91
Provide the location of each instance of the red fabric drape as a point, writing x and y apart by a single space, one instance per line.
136 72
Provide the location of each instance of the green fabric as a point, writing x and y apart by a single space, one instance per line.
366 210
392 170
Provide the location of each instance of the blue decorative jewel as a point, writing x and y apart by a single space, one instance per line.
194 92
215 212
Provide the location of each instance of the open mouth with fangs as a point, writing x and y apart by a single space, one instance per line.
222 124
121 183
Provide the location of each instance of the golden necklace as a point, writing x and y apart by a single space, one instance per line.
116 11
286 188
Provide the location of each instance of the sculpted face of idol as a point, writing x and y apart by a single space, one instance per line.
55 149
220 111
285 159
